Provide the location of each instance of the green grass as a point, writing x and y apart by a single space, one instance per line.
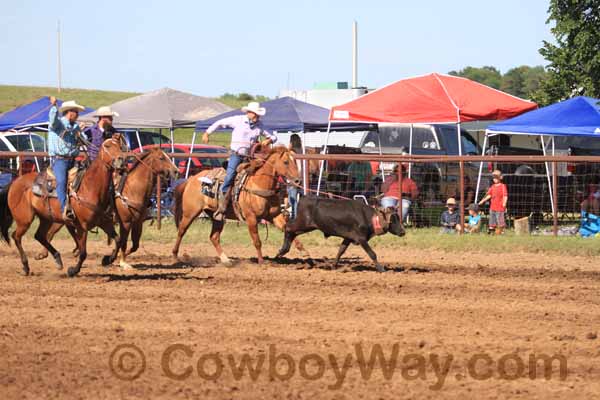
428 238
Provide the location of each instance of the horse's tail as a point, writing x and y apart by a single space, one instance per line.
178 207
6 218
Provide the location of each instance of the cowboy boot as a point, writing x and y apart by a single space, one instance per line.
219 215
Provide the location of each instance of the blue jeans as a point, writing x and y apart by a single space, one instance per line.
234 161
293 200
61 168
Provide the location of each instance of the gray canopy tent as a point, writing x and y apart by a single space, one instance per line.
162 109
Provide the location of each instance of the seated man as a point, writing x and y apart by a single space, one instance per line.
391 191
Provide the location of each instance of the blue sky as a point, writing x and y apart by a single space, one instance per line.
209 48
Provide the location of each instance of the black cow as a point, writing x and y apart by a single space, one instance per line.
351 220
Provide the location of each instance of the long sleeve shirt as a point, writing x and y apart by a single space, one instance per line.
450 220
96 136
244 134
62 135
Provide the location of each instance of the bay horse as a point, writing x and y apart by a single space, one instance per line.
132 205
258 200
89 205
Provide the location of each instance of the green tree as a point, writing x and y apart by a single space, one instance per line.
523 81
487 75
574 61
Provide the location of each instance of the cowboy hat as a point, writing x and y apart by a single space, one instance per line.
497 173
105 111
255 108
70 105
451 201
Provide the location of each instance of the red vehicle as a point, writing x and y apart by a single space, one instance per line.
198 163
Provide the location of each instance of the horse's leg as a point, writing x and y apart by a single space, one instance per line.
252 222
215 238
365 245
49 236
184 224
124 229
280 222
136 234
81 237
108 227
341 251
42 234
22 227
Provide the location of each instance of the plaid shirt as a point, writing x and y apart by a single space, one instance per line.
62 135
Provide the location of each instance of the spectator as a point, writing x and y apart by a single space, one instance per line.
391 191
591 204
360 177
474 223
469 191
450 219
498 194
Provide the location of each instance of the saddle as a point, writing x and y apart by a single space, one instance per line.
44 184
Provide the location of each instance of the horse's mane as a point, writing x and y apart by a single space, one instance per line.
255 164
142 157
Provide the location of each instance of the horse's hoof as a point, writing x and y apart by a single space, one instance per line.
58 261
72 271
25 271
380 268
41 256
125 266
224 259
106 261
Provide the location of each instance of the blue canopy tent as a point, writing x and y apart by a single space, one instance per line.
579 116
30 117
287 114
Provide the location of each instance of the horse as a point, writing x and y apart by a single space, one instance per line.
132 205
257 200
89 204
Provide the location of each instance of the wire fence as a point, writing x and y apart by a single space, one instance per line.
543 191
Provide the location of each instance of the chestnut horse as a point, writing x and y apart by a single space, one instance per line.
89 205
258 200
132 206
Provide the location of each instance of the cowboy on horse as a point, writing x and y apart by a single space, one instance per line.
63 147
246 130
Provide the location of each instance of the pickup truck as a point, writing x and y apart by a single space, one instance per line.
436 181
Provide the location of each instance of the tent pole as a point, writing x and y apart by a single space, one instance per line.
304 170
137 135
548 176
485 138
459 138
37 163
187 168
410 146
323 161
380 153
172 141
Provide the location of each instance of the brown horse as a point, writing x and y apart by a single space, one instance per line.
132 205
258 200
89 205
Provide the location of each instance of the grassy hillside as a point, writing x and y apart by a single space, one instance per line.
13 96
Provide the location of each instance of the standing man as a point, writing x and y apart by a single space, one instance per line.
63 147
246 130
99 132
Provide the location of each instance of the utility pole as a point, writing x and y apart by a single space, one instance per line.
59 60
354 54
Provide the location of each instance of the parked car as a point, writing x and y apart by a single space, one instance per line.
197 163
19 141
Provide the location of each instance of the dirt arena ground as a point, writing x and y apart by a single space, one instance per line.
458 325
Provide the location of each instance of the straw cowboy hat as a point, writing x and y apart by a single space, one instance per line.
105 111
451 202
70 105
255 108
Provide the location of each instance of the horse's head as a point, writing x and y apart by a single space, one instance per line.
111 152
158 161
393 221
284 164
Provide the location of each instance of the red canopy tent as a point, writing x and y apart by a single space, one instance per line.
433 98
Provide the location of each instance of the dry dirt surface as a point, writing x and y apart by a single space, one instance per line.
448 325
